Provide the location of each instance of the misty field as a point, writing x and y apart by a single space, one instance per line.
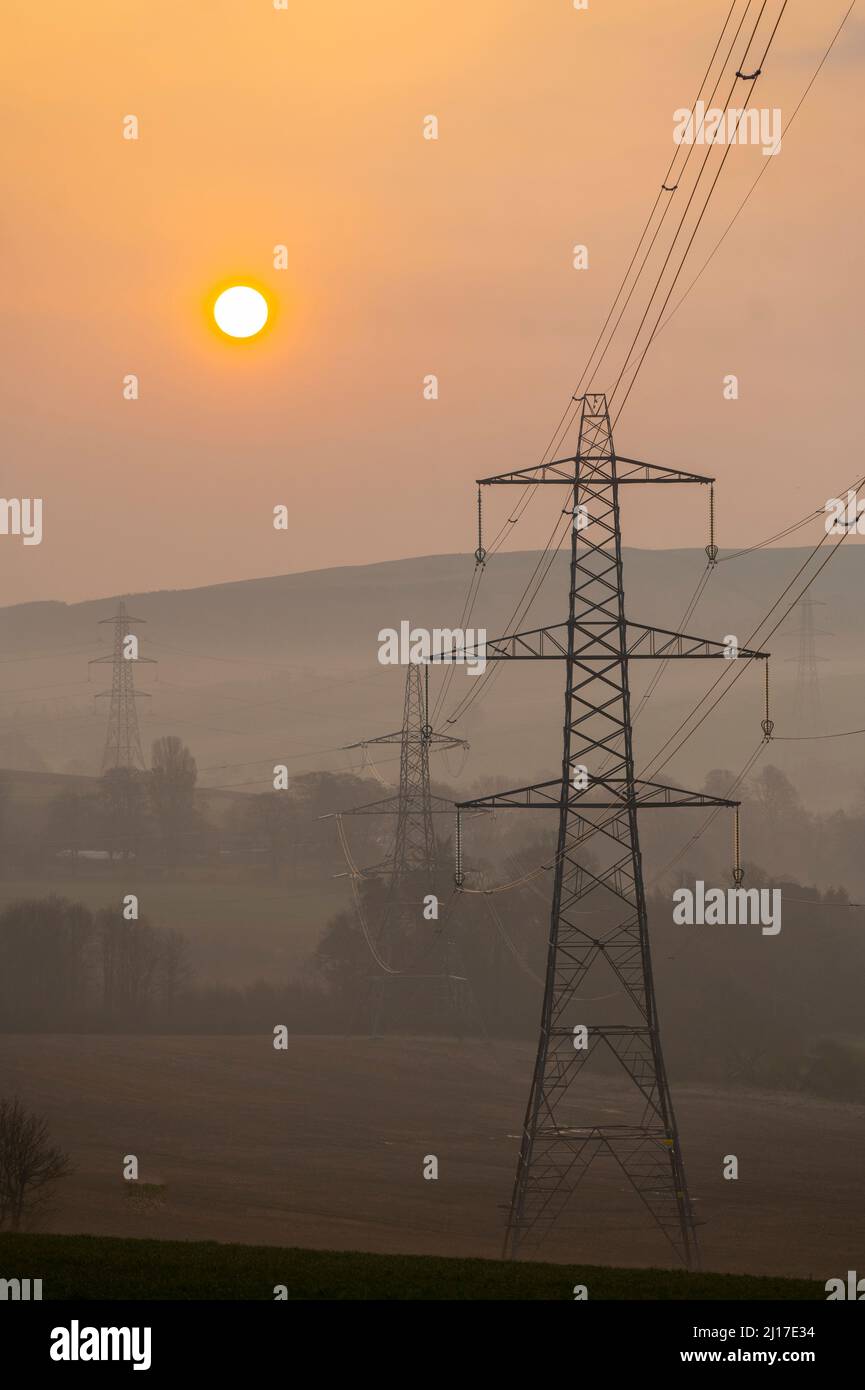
322 1146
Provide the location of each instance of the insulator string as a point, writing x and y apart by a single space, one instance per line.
711 548
738 871
480 553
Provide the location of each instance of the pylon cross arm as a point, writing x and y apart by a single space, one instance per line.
442 742
601 468
645 641
596 640
548 796
389 806
135 694
111 660
382 738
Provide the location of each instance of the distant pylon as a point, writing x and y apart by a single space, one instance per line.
122 740
413 956
415 845
807 707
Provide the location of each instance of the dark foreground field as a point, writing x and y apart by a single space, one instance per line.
90 1267
323 1147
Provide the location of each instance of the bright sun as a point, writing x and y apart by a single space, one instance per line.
241 312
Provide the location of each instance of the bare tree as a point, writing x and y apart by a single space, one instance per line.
30 1165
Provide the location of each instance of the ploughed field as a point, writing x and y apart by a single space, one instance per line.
324 1146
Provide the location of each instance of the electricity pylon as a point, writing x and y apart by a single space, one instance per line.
412 955
122 741
598 797
807 705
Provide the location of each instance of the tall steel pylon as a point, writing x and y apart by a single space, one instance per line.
413 957
598 797
122 740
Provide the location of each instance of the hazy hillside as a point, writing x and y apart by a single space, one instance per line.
286 668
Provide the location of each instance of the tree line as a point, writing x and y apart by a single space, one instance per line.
162 819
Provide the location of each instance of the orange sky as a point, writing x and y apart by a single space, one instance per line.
406 257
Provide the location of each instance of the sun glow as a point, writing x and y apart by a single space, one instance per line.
240 312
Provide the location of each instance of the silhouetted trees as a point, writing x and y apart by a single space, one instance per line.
143 969
62 968
30 1165
162 818
44 965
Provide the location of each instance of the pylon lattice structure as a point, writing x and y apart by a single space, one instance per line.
807 705
122 741
598 917
413 958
